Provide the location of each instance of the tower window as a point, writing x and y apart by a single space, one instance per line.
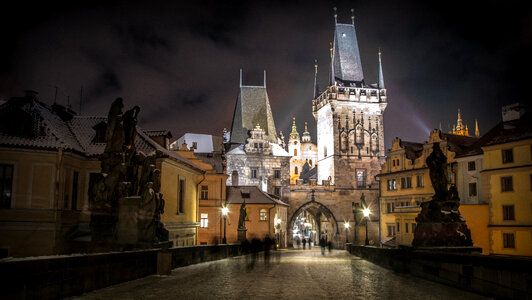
253 173
277 173
324 151
296 171
295 152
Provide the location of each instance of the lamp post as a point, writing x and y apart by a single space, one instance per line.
366 212
225 210
346 225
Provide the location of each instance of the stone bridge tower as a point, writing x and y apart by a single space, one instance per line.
349 117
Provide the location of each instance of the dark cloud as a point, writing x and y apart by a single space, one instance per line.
179 61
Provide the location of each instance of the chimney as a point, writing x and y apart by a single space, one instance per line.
512 112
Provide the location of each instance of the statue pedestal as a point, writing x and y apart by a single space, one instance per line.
128 220
242 234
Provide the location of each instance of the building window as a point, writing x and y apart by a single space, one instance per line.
277 191
406 227
507 156
263 216
204 192
508 213
414 227
181 197
419 179
296 171
295 152
392 184
75 185
398 227
390 207
361 178
409 182
391 230
324 151
472 189
471 166
204 221
277 174
507 184
508 240
253 173
6 185
194 145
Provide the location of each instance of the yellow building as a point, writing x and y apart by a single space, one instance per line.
405 183
507 183
212 193
47 156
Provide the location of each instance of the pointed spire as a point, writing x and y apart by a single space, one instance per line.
264 78
335 15
381 76
306 135
332 81
440 127
353 16
240 77
294 134
316 87
477 132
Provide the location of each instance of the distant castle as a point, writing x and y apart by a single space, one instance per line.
461 129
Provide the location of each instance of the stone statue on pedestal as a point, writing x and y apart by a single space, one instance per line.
439 224
126 209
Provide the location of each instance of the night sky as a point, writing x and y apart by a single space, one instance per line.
180 61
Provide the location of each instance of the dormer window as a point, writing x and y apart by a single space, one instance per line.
100 129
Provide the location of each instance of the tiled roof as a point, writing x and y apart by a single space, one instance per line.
152 133
458 143
256 196
214 159
347 64
76 134
412 150
511 131
252 108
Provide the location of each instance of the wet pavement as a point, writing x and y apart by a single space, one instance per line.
290 274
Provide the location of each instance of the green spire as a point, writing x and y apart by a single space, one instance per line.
294 134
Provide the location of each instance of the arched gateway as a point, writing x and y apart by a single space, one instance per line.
315 215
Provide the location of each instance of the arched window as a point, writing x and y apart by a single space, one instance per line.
263 216
295 152
296 171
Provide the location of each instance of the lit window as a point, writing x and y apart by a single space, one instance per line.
204 192
204 221
263 216
361 178
295 152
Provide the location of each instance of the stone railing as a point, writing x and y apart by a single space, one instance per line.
53 277
495 276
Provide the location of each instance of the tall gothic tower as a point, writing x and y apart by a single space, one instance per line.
349 117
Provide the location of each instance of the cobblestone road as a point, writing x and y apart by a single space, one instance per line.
293 274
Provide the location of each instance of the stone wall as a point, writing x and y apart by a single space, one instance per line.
65 276
494 276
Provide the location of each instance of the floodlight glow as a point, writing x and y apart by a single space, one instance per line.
225 210
346 225
366 212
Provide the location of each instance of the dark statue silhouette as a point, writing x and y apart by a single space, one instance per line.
439 224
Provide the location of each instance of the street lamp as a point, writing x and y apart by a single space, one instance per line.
346 225
277 222
366 212
225 210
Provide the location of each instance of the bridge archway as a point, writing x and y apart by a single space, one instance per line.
323 221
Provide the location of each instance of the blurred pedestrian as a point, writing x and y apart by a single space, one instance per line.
304 243
298 242
322 245
267 244
329 245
